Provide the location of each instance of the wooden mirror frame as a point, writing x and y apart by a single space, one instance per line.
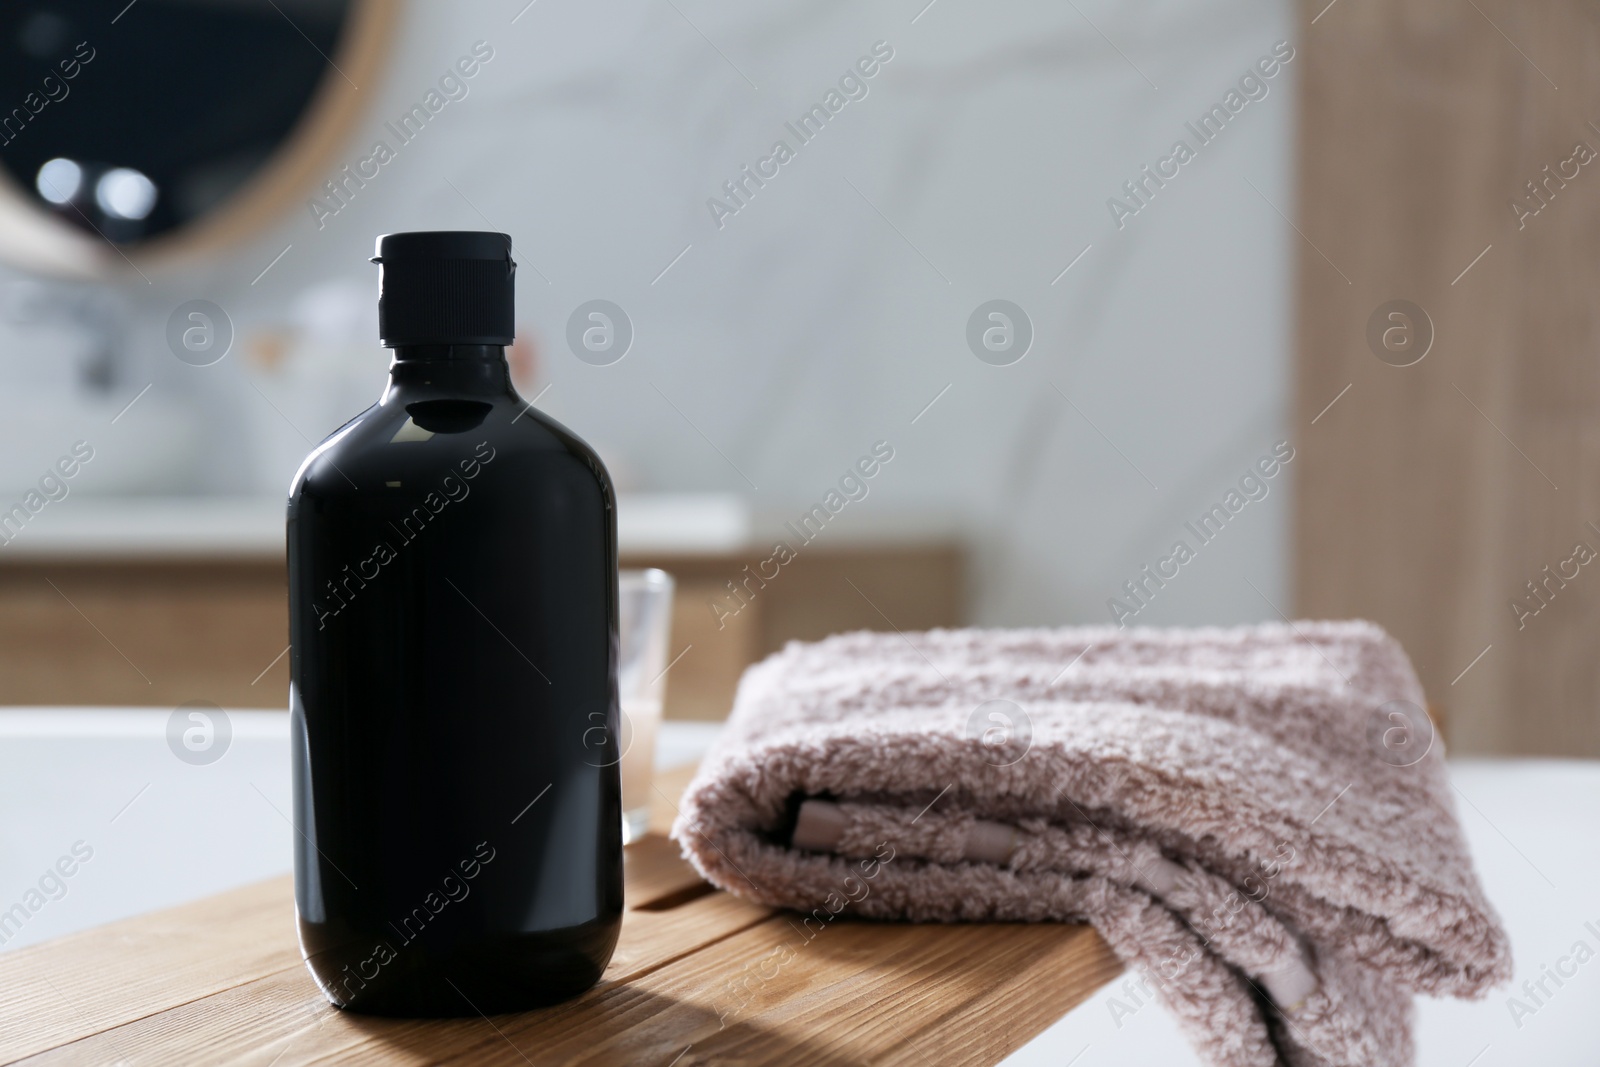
35 240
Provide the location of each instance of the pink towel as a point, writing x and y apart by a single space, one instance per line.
1256 819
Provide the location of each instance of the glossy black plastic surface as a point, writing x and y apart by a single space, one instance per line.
453 603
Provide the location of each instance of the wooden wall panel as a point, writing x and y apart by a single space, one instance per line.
1430 494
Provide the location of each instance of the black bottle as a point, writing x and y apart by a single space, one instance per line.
453 625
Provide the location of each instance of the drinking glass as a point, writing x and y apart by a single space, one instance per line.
644 601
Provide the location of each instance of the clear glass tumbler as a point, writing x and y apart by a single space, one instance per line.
645 621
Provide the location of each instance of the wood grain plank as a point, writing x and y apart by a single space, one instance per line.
698 977
854 993
858 993
96 980
283 1016
669 787
653 868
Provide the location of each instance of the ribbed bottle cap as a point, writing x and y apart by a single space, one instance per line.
445 287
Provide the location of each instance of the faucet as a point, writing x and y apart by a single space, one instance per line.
97 310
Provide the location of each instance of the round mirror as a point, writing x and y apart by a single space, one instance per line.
132 132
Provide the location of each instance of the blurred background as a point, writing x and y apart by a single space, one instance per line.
1141 313
769 338
981 250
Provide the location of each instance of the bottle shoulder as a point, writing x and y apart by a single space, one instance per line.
401 437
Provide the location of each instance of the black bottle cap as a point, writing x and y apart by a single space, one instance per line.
445 287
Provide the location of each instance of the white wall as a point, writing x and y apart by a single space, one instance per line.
811 326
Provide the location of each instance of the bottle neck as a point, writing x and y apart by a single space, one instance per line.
448 371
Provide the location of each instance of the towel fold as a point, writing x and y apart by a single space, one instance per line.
1257 819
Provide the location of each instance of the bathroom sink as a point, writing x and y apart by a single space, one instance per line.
150 446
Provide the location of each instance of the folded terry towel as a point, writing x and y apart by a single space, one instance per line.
1234 810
